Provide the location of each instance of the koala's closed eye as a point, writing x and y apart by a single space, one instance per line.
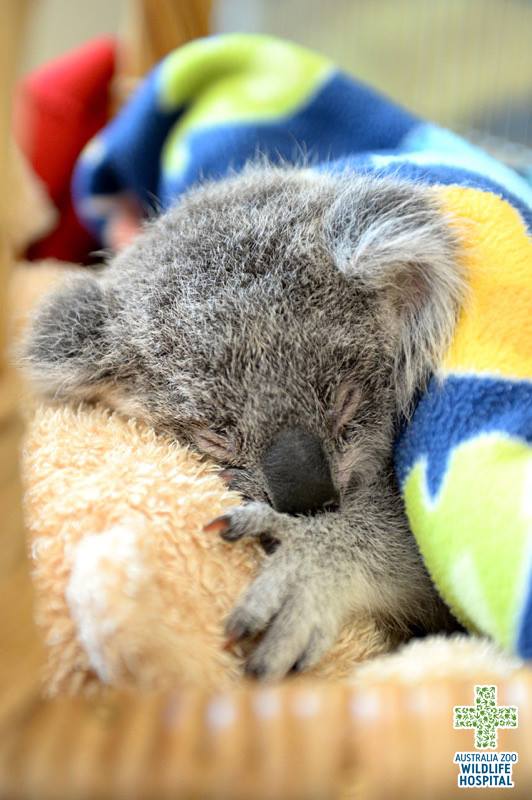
216 444
356 462
347 401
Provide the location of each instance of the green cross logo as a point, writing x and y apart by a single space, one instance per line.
485 717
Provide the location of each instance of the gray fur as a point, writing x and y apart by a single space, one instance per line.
279 299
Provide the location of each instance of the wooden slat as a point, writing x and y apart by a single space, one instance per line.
11 537
152 29
298 741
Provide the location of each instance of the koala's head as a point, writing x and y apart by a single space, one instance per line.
279 321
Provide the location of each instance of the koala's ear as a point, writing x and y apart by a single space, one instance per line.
391 239
66 352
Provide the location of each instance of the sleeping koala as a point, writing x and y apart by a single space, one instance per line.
281 322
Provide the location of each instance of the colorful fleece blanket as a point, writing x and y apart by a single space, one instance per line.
464 462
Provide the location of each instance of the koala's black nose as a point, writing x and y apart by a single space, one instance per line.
298 475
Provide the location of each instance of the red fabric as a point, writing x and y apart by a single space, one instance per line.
58 108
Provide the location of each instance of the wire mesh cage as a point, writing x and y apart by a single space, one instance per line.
465 64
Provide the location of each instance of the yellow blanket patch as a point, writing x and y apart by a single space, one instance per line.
494 333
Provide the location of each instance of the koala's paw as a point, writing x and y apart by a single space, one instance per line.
294 605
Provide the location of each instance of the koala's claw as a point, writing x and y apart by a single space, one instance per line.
294 640
218 525
254 520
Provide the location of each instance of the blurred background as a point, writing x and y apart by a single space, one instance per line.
466 64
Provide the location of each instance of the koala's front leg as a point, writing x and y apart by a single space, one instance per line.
321 571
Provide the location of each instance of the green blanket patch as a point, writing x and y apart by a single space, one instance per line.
238 78
478 554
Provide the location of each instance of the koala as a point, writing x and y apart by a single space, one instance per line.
282 322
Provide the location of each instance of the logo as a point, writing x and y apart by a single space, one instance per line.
485 717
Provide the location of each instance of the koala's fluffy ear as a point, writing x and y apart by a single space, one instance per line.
391 238
66 353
